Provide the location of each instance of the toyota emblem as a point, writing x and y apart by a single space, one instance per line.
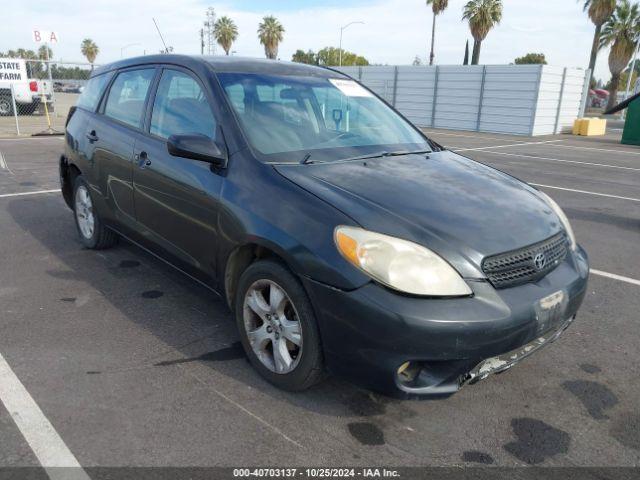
539 261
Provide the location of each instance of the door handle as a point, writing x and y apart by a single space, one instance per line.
143 159
92 136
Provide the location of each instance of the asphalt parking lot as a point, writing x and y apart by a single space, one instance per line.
132 364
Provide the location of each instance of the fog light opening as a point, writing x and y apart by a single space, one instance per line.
408 371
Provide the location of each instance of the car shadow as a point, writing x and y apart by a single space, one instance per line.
212 338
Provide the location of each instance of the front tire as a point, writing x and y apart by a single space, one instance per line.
93 233
277 326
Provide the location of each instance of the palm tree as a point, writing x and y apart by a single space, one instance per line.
483 15
90 50
226 32
438 6
599 12
270 33
45 53
621 32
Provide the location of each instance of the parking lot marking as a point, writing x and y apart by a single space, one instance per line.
563 161
620 278
435 132
623 152
243 409
506 146
43 439
586 192
20 139
37 192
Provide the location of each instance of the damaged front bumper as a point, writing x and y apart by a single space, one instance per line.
504 362
414 347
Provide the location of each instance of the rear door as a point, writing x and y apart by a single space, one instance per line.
113 137
176 199
81 121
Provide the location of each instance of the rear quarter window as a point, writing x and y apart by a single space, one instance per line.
92 92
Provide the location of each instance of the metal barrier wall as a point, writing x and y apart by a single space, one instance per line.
510 99
37 99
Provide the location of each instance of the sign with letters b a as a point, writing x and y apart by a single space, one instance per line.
44 36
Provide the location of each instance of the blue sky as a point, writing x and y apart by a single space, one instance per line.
395 31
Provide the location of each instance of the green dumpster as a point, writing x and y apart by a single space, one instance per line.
631 134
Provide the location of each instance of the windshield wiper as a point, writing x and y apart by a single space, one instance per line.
306 159
385 154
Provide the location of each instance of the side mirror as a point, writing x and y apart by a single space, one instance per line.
197 147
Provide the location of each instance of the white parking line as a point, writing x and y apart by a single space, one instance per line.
43 439
563 161
20 139
613 276
37 192
504 146
585 192
3 163
622 152
435 133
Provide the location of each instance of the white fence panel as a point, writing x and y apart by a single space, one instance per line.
511 99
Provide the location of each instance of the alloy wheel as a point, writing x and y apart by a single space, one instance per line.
84 212
273 326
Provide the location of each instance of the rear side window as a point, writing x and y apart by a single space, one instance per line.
127 96
93 91
181 107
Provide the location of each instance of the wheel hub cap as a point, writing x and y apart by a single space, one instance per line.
84 212
273 326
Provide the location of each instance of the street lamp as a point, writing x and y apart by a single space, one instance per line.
127 46
342 29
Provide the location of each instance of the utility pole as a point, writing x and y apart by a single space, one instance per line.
202 41
209 25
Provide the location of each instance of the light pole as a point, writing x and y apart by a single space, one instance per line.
122 49
342 29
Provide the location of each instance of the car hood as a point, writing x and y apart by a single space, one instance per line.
461 209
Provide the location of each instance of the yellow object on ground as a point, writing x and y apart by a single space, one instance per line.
577 124
590 126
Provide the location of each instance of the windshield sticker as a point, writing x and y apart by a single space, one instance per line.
350 88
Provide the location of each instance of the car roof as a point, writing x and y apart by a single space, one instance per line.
229 64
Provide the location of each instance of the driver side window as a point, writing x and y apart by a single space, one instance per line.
181 107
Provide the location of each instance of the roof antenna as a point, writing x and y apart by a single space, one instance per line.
166 49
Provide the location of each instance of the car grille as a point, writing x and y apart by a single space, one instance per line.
519 266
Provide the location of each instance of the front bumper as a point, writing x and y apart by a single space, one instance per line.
368 333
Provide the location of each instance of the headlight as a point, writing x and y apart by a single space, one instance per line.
399 264
563 219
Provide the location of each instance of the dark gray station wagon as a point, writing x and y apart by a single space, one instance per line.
342 238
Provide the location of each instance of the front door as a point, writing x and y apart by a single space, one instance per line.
176 199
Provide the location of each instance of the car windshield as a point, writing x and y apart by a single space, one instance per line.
289 118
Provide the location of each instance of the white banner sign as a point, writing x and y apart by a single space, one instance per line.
45 36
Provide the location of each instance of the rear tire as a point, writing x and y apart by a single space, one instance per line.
6 106
93 234
272 309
